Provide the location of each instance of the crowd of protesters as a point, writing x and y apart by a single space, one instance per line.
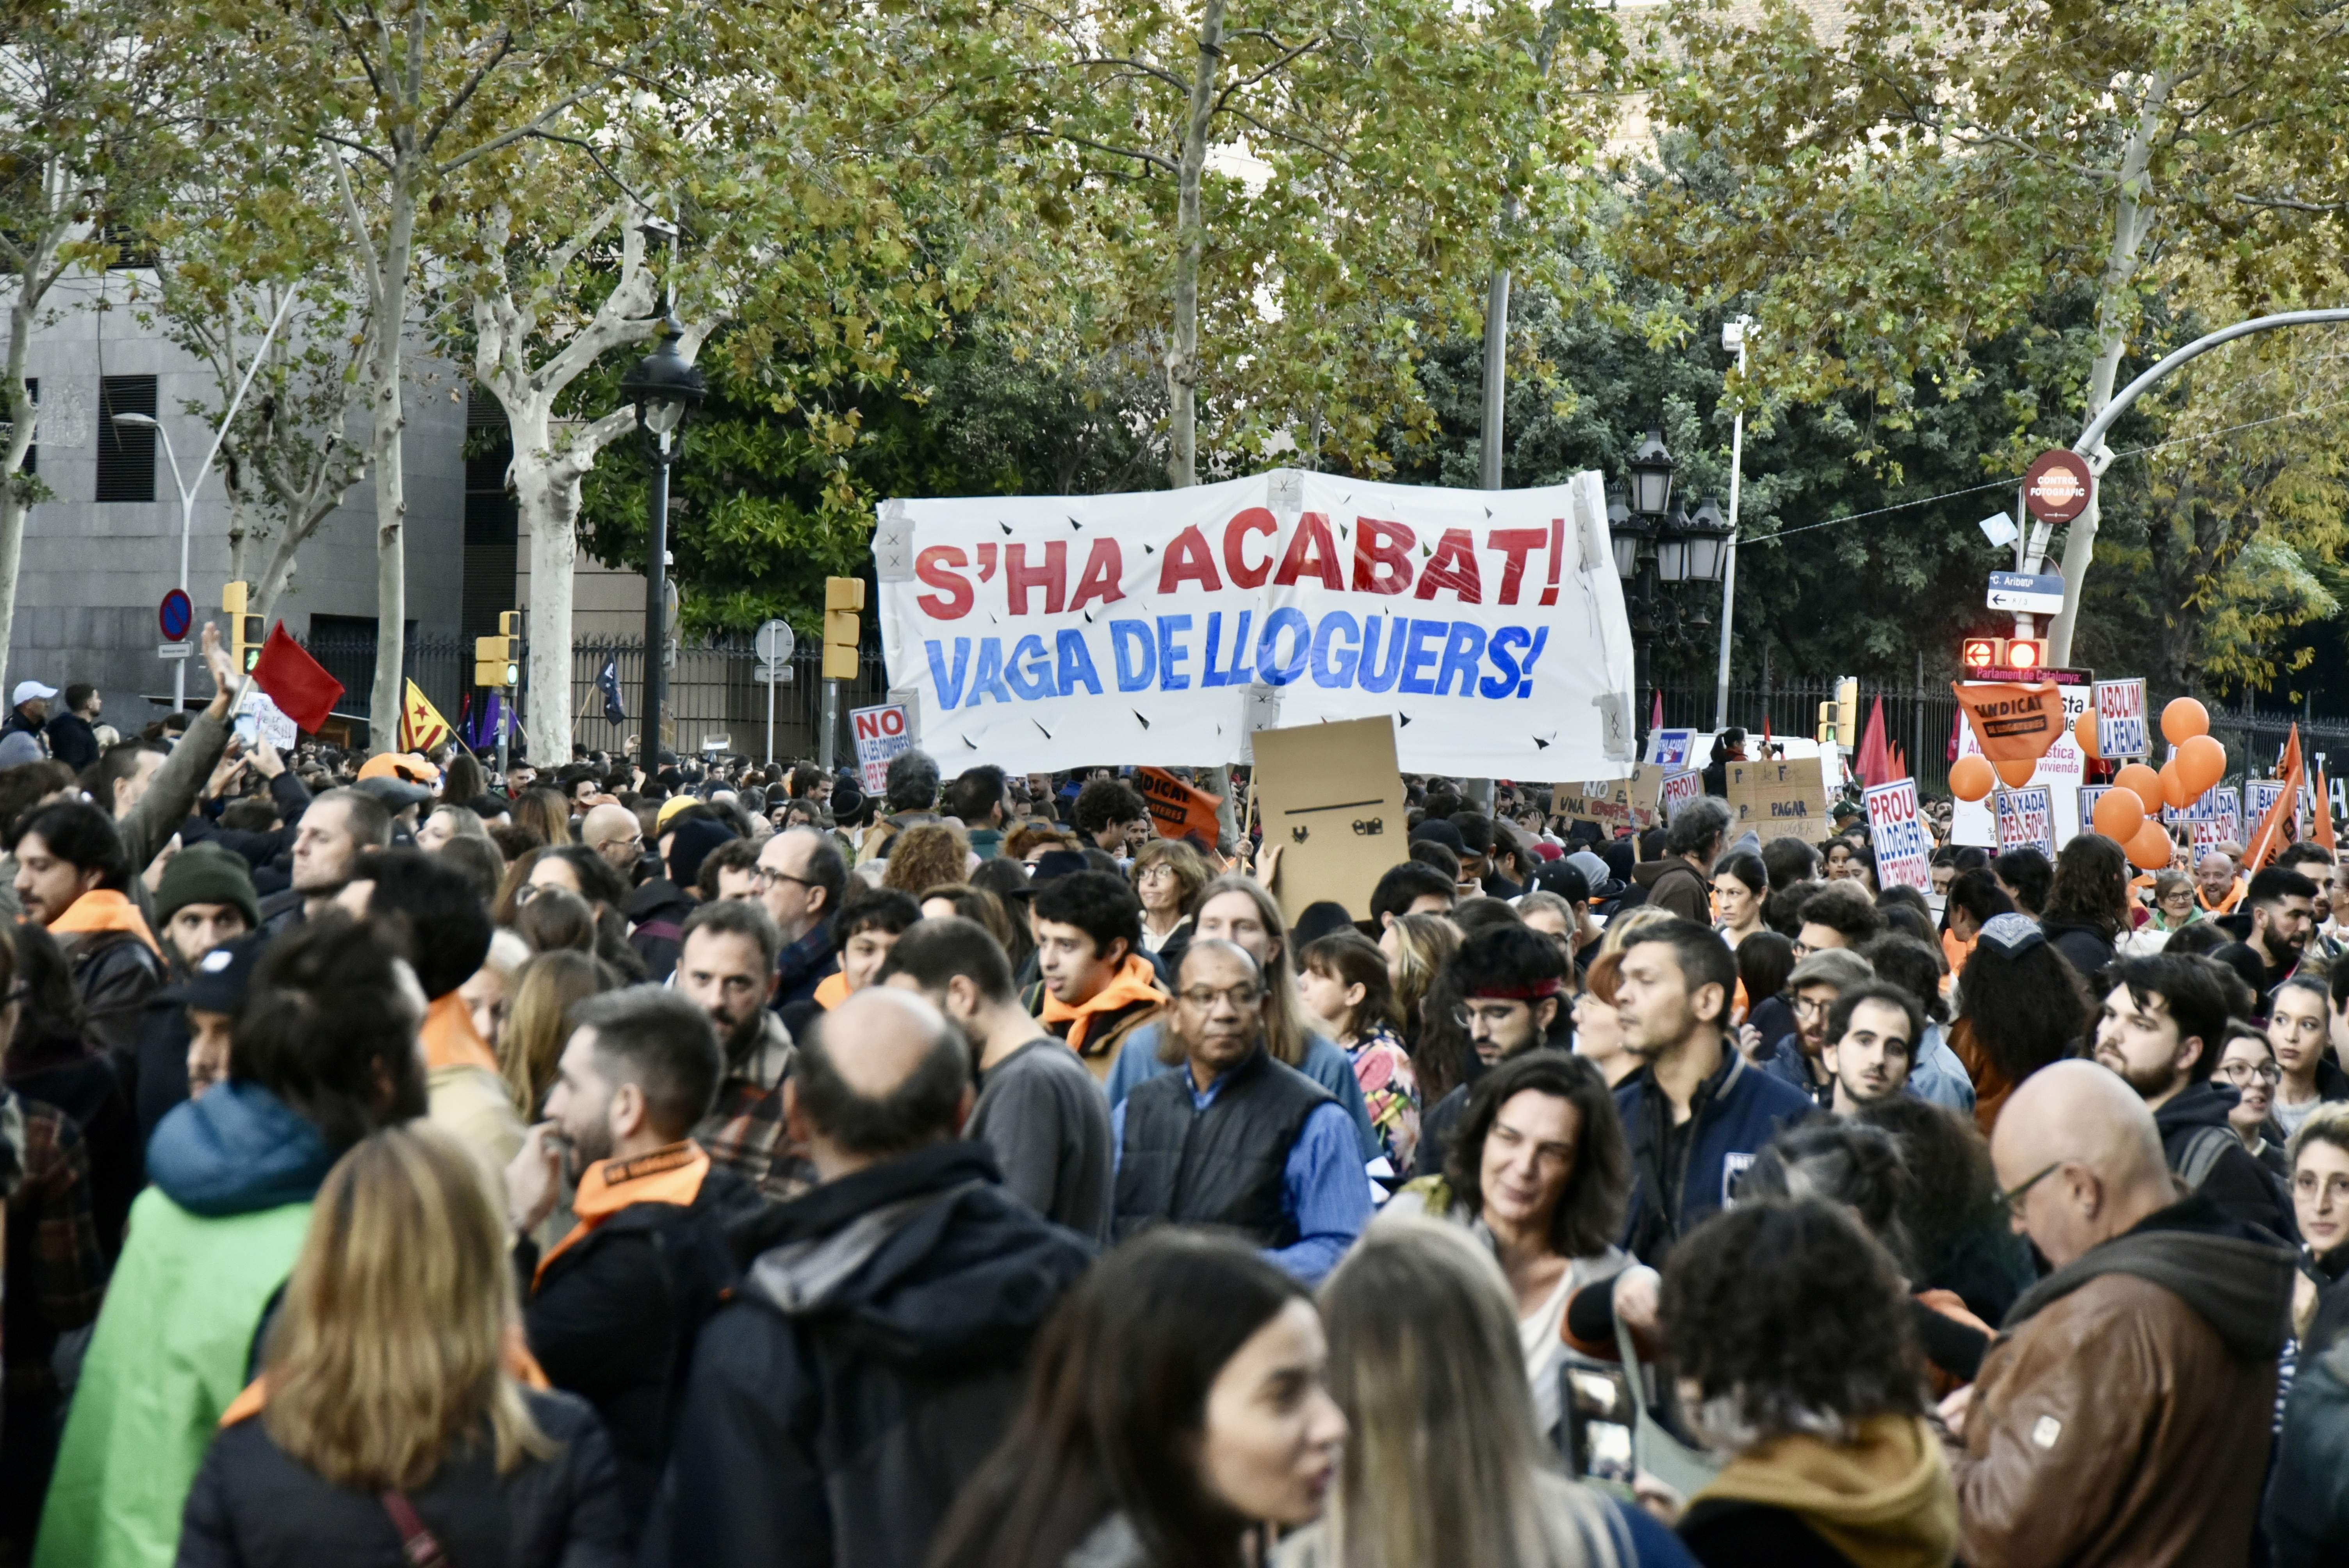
727 1165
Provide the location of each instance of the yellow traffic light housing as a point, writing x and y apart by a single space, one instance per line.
245 632
844 605
496 661
1847 712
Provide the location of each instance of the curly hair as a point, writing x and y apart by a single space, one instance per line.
1589 1213
1789 1318
2091 884
927 855
1843 1161
2026 1010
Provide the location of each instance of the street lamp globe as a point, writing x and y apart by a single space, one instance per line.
1627 533
664 388
1651 475
1708 542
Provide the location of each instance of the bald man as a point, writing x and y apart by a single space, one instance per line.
877 1350
2123 1415
613 831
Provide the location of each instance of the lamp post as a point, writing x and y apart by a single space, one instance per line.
664 389
1657 542
187 490
1733 335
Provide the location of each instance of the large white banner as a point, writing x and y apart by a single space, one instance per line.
1041 632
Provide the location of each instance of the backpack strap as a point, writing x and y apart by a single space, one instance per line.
417 1544
2201 1154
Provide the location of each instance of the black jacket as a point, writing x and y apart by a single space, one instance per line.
876 1352
656 912
114 974
254 1507
2235 1182
613 1315
71 741
2085 945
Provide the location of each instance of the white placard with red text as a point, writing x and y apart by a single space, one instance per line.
1903 852
2063 771
2026 819
881 733
1167 627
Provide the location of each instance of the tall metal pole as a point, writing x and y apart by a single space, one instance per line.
1729 570
825 742
1496 386
655 608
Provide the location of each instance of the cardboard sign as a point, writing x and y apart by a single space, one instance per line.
1903 852
1780 799
1678 790
1176 807
2027 818
1332 797
881 733
2121 729
1670 749
1618 805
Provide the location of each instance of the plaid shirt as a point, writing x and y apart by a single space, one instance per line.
54 1264
744 1130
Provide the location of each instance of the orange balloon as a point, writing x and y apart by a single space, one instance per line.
1971 777
2084 730
2119 814
2173 788
2144 782
2201 761
2016 773
2149 850
2184 719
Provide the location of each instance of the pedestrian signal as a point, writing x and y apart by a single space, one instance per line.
1978 653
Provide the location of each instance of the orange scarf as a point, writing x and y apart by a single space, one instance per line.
521 1366
670 1175
832 991
1136 982
450 1038
2234 896
103 908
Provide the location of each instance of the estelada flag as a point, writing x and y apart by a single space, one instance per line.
2270 836
1176 807
2013 723
302 689
422 727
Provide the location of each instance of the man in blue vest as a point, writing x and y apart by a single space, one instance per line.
1237 1139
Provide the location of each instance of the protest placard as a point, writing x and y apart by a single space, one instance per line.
881 733
1616 805
1670 748
1903 852
1164 627
1330 795
1177 808
2121 729
2062 769
1780 799
1678 790
2027 817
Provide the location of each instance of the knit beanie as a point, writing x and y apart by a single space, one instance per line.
206 873
691 845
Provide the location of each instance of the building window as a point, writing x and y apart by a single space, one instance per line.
126 453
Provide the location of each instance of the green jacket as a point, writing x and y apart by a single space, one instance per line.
171 1352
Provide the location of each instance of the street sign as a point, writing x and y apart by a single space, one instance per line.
172 650
2027 592
2061 674
771 674
175 616
774 643
2057 487
716 743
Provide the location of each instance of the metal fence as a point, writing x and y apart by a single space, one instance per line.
712 693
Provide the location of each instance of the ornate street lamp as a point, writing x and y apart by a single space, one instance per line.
664 389
1651 475
1708 543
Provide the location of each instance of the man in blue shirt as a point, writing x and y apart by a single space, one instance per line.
1237 1139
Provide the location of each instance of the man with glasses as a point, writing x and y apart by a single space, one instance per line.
1237 1139
799 879
2123 1413
1817 983
725 967
2162 1028
613 832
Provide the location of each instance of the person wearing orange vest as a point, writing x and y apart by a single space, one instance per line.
2217 888
612 1310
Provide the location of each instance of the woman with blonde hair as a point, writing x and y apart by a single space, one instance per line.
546 991
1443 1465
547 811
395 1399
1416 946
927 855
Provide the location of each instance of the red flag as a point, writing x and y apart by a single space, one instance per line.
1873 762
2322 828
303 691
1957 727
2270 835
1658 721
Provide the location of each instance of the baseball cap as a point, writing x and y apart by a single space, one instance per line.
218 981
28 690
1564 878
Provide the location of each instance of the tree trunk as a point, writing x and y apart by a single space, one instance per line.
14 507
2131 221
549 511
1496 377
391 421
1190 242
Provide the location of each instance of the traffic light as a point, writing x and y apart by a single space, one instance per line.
1978 653
245 630
2026 654
843 601
2003 653
1847 712
497 660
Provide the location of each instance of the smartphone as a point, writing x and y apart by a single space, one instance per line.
1600 1422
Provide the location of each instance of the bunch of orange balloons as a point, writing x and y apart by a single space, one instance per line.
2130 813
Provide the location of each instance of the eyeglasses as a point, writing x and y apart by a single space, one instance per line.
1205 996
2241 1073
768 876
2013 1198
1812 1006
2308 1185
1493 1012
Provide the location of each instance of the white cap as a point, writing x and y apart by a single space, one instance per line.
28 690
